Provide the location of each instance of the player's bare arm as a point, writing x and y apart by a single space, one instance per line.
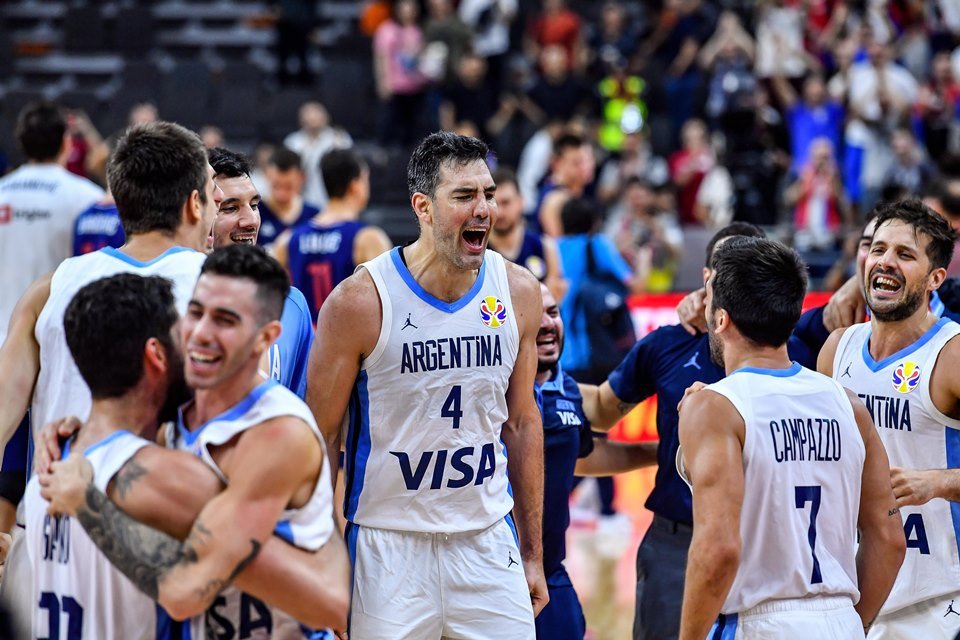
882 544
610 458
523 433
348 327
370 242
272 461
555 280
714 461
602 407
828 352
20 358
550 213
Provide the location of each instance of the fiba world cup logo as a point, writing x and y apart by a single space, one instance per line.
493 312
906 377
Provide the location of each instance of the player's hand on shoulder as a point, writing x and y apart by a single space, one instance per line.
50 436
846 306
692 389
692 312
65 487
914 486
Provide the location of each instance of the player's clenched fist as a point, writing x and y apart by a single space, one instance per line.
66 485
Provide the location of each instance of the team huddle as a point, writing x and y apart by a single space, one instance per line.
190 423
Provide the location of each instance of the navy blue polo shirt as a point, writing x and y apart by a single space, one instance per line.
664 363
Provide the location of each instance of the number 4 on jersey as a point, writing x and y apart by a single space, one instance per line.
451 407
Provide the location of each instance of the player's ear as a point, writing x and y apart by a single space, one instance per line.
192 212
267 335
155 355
422 207
936 278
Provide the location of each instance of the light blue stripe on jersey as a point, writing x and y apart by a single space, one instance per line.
230 414
285 531
903 353
423 294
119 255
792 370
170 629
96 445
513 528
358 447
725 628
952 440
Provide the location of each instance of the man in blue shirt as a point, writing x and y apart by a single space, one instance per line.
665 363
98 227
815 116
238 222
569 447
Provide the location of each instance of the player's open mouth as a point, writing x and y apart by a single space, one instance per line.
474 238
886 284
547 340
202 360
244 238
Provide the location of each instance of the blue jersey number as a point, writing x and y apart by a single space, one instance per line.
70 608
451 406
804 495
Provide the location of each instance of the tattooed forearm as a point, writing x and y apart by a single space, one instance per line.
143 554
215 586
128 474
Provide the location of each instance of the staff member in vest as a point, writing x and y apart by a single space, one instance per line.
760 556
903 365
432 349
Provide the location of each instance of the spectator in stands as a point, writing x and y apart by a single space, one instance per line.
936 107
490 22
285 207
636 160
261 160
97 157
555 25
471 99
573 167
910 171
445 27
648 239
211 136
689 165
815 116
315 137
943 196
780 50
295 21
728 57
535 162
843 57
83 137
400 85
557 94
819 203
38 205
613 39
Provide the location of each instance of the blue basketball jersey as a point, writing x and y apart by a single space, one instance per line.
288 355
532 256
320 257
271 226
97 227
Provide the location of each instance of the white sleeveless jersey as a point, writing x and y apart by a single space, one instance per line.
77 593
802 461
423 449
235 614
916 435
60 390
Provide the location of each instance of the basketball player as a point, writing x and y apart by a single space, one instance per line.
569 447
511 238
164 190
119 330
432 347
238 222
284 207
767 450
572 167
256 435
322 252
902 365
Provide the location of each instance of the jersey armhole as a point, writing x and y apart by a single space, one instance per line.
499 264
930 364
386 318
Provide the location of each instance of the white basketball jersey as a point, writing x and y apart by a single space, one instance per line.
423 448
916 435
60 390
235 614
802 461
78 594
38 204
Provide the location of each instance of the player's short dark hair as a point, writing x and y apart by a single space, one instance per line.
284 159
152 172
107 324
567 141
733 229
339 168
924 220
229 164
578 216
505 175
40 129
761 284
435 151
253 263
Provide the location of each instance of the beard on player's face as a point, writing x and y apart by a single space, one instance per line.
177 390
911 299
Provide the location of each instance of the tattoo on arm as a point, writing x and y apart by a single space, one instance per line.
893 511
146 555
128 474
